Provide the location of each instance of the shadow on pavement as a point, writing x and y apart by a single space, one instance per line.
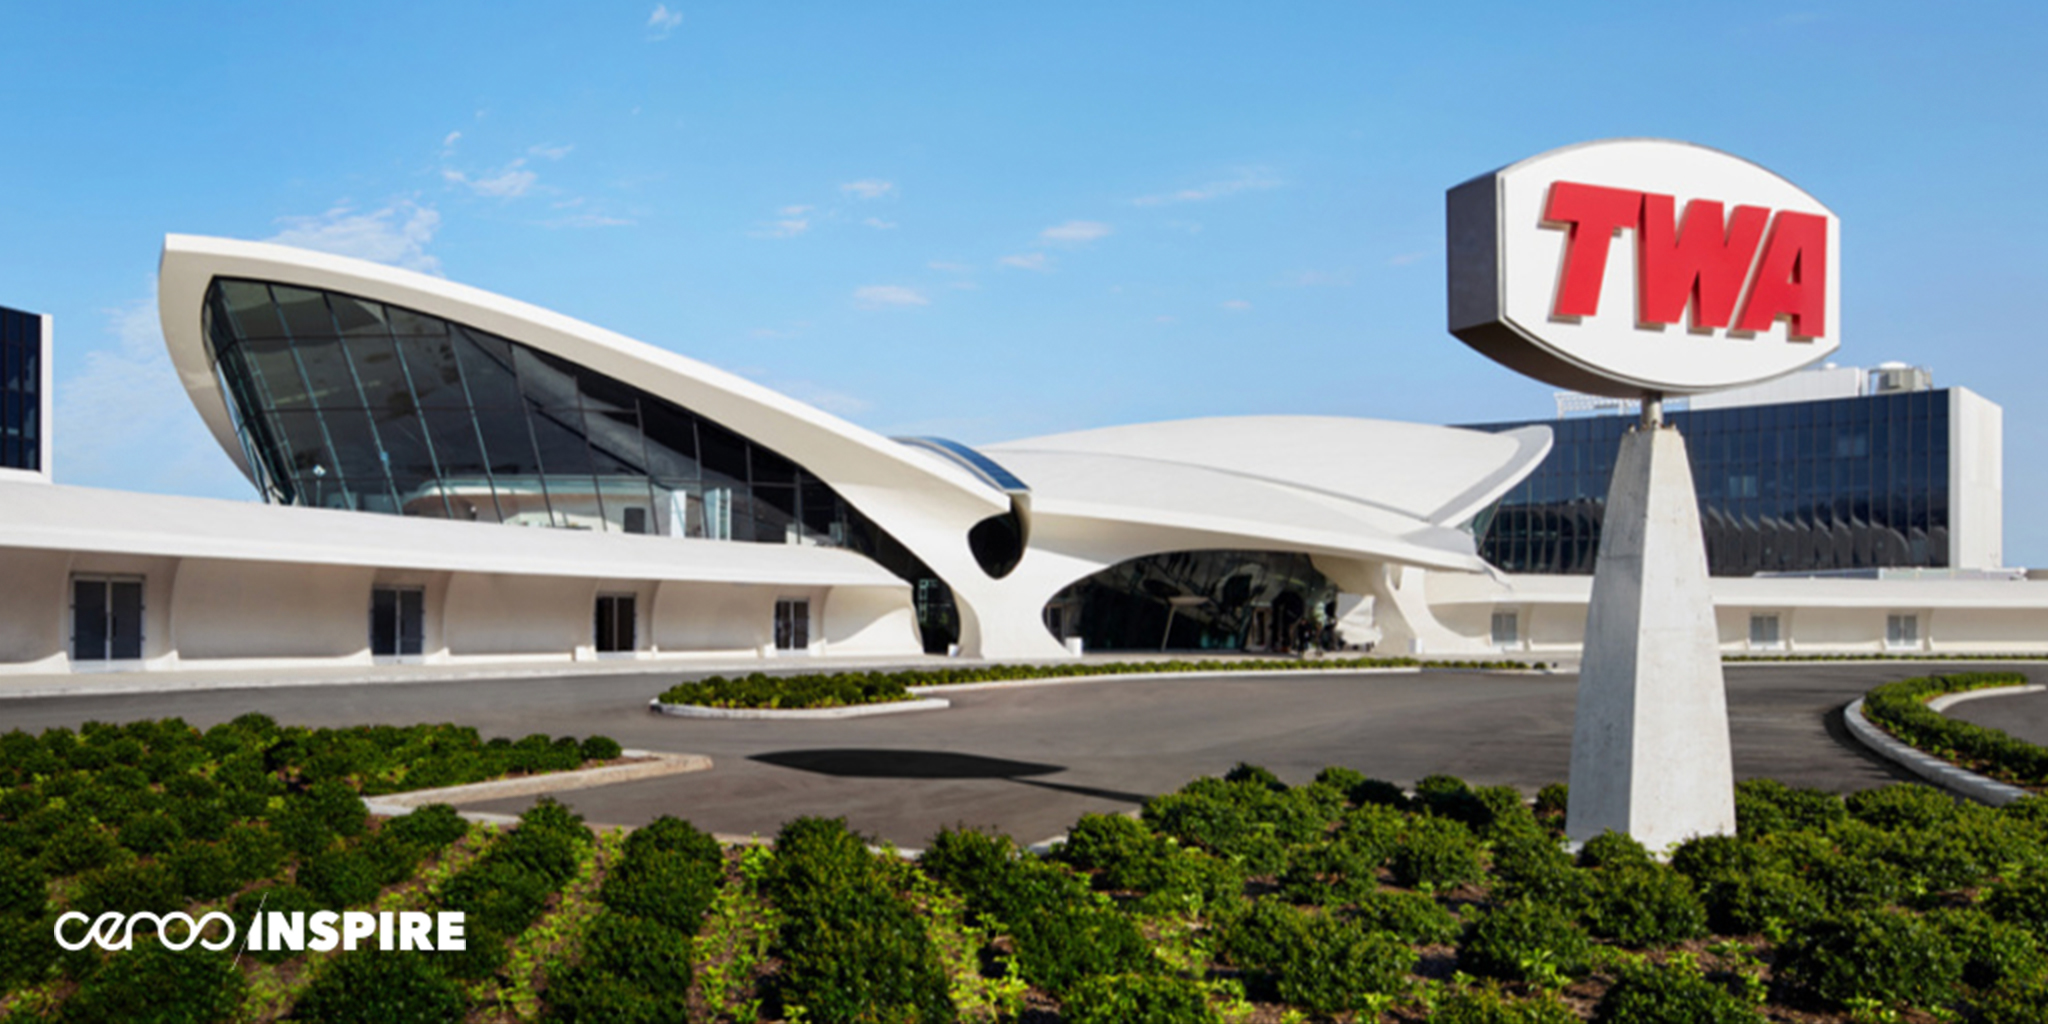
866 763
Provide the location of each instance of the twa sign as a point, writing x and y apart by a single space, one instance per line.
1637 266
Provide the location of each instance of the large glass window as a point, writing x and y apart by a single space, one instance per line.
106 618
1849 483
21 384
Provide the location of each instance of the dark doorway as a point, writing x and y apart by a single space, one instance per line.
398 621
106 618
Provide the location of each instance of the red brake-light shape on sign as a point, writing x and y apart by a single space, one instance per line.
1594 213
1703 262
1792 280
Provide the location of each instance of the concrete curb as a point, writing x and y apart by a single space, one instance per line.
1271 673
652 765
1949 700
1937 772
895 707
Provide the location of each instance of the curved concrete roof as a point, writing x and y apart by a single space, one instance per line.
841 453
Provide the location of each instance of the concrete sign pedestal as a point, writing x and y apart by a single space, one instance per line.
1650 749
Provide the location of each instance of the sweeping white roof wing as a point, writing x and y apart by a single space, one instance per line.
839 452
1440 475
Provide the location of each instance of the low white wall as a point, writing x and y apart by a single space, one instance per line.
869 620
34 629
734 618
224 609
492 614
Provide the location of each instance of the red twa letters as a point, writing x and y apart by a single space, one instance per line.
1700 260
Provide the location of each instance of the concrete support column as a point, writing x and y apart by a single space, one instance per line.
1650 743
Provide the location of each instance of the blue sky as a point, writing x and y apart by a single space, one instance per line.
995 220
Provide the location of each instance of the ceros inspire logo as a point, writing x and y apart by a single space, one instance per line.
320 931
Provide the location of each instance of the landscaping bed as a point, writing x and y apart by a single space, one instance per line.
1235 899
848 689
1901 710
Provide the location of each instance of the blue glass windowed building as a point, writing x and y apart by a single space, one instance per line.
1831 471
24 392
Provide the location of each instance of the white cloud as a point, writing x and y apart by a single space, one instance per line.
1163 319
1247 181
1028 261
1319 279
511 183
868 188
448 143
883 296
662 22
1237 306
787 227
124 421
879 224
398 234
838 403
551 152
1406 258
1075 231
794 211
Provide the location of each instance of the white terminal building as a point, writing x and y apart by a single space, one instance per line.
660 509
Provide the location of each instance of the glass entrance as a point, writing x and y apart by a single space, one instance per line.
398 621
614 623
792 625
106 618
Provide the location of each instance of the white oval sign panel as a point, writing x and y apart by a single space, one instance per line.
1635 266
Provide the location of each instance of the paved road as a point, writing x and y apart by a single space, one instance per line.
1031 760
2024 716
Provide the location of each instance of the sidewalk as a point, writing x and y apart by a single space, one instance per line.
98 683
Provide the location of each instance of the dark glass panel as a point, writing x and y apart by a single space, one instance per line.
10 376
275 373
616 446
508 444
558 434
89 620
355 448
486 363
770 468
379 374
357 317
124 619
671 438
251 310
328 380
544 380
305 312
383 621
774 509
822 516
723 453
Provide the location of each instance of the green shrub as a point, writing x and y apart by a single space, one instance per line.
1901 709
1669 993
257 852
645 953
1412 916
1525 941
1902 805
24 889
150 984
79 847
1486 1004
128 889
204 871
1644 906
1993 952
1436 853
670 834
1065 942
1767 901
367 987
341 877
1381 793
1764 806
1883 956
1330 872
1535 867
852 950
1704 858
432 827
600 748
1614 850
1335 965
151 833
2015 1002
2022 901
1137 999
338 807
584 995
1553 801
672 888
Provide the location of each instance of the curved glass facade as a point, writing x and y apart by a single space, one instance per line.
1842 483
342 402
1198 600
